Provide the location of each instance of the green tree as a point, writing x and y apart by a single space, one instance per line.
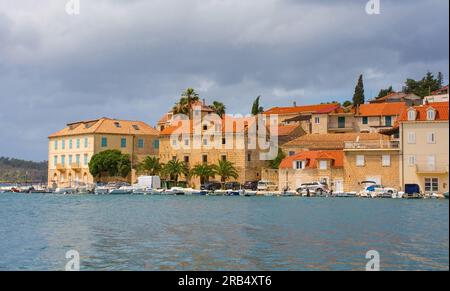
425 86
183 106
110 163
275 163
358 97
385 92
151 166
219 108
204 172
174 169
347 103
225 169
256 108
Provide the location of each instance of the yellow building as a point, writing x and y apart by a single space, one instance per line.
424 147
71 148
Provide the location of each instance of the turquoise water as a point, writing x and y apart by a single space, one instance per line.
221 233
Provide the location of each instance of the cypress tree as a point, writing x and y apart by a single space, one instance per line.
358 97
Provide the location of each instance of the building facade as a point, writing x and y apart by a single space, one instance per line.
313 166
424 147
71 148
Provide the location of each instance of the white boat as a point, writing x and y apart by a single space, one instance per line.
398 195
124 190
248 193
346 194
65 191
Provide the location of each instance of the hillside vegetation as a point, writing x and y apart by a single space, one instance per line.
15 170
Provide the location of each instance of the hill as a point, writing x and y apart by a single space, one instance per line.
15 170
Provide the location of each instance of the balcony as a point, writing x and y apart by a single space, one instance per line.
372 145
76 167
60 167
341 129
431 169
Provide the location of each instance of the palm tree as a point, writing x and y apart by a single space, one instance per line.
225 169
174 169
151 166
181 107
204 172
191 96
219 108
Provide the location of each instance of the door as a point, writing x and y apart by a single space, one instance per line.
341 122
338 186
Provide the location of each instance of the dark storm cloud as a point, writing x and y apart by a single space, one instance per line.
131 59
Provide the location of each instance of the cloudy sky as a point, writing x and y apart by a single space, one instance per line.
131 59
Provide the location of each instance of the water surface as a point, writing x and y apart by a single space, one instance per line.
221 233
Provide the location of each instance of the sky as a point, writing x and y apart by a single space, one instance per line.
131 59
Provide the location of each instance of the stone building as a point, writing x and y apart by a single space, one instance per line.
71 148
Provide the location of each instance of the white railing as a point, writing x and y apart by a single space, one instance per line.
375 144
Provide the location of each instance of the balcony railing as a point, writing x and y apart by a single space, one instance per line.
76 166
372 145
431 169
60 167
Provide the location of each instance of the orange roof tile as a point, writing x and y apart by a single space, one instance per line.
106 126
312 158
382 109
421 111
320 108
330 141
284 130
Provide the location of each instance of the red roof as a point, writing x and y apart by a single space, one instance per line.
382 109
312 158
181 124
320 108
421 112
284 130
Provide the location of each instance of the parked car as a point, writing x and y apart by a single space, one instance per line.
267 186
211 186
251 185
316 188
232 186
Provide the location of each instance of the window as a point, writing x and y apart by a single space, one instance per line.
386 161
249 157
117 124
411 137
411 115
431 184
365 120
412 160
104 142
55 144
205 141
224 157
431 138
86 142
298 165
431 162
136 127
205 127
78 143
291 153
360 161
186 159
140 143
431 114
174 142
186 142
55 160
85 157
63 144
323 165
63 160
70 144
388 120
70 159
123 142
156 144
77 159
317 120
224 140
205 159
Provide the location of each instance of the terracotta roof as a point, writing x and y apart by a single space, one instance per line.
395 95
203 106
181 124
106 126
382 109
284 130
443 90
330 141
321 108
164 119
312 158
421 112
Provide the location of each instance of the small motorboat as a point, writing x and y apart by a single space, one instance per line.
248 193
412 196
124 190
446 195
65 191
